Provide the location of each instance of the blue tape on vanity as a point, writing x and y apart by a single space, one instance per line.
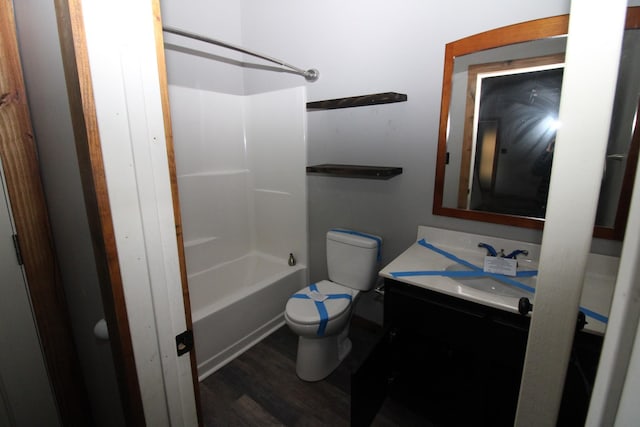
499 277
322 309
472 273
438 273
594 315
465 274
449 255
479 272
368 236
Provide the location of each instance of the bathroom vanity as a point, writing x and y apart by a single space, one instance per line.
454 343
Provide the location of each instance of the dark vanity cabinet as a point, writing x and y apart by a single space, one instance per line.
458 363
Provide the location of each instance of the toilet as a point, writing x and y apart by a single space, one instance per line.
320 313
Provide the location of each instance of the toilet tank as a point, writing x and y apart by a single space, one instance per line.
352 258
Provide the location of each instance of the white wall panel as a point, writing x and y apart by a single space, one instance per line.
208 130
277 150
216 206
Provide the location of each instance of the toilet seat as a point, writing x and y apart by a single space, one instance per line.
318 304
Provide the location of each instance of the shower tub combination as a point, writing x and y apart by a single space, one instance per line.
240 164
238 303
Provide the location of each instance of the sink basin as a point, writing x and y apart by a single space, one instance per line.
492 283
437 252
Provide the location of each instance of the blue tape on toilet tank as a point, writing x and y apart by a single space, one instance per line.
368 236
476 271
322 309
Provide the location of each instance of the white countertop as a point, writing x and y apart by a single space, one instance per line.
597 291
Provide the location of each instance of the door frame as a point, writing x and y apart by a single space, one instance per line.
173 176
119 105
19 157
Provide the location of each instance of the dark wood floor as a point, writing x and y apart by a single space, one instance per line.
260 387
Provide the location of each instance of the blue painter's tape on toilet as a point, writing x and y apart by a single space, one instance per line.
377 239
320 305
320 313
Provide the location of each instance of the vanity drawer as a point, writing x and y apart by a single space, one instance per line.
484 331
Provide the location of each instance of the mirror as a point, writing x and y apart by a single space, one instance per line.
500 101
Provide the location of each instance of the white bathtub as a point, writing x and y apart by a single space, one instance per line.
236 304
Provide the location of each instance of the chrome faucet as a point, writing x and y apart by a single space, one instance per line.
490 250
517 252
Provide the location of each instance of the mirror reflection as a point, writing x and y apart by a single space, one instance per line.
501 96
512 137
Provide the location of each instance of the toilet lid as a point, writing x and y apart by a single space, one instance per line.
326 299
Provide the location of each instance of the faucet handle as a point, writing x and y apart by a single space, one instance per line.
490 250
517 252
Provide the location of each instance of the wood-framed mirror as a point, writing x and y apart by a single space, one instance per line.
500 99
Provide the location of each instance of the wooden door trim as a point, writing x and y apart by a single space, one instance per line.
19 157
75 60
166 112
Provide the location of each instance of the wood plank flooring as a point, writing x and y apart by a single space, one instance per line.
260 387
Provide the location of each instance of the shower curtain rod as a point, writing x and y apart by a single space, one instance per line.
311 75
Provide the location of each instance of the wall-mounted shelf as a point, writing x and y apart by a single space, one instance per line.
357 101
355 171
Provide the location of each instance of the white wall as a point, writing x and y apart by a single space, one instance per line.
199 65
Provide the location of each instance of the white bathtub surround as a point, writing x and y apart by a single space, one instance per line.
597 291
236 304
241 175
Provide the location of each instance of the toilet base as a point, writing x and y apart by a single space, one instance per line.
318 357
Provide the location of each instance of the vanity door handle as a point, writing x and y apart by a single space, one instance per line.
618 157
524 306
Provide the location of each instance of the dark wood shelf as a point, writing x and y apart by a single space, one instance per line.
355 171
357 101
